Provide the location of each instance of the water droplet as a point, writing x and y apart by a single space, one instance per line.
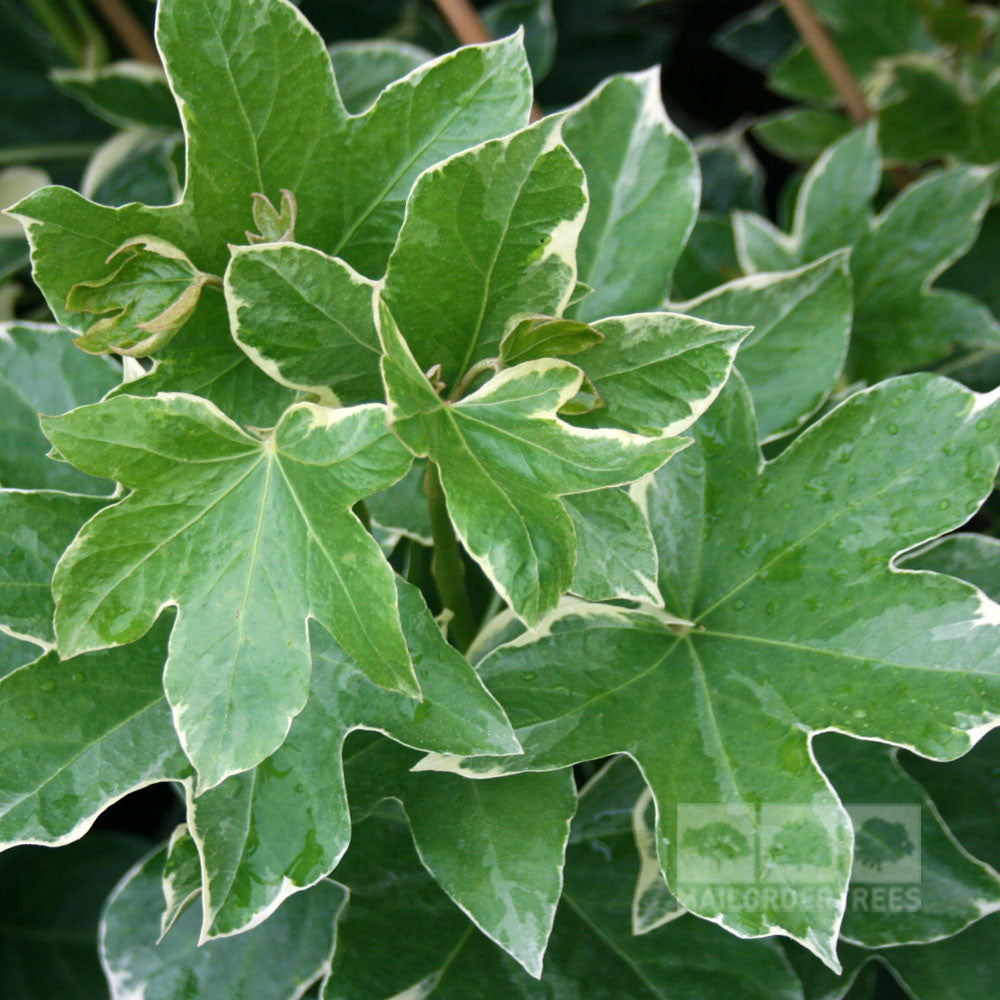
738 605
529 675
860 713
79 677
893 429
772 608
897 401
48 686
983 423
31 715
944 505
786 504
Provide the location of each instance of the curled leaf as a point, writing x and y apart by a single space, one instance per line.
147 298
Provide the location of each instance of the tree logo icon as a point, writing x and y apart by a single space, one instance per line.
886 843
715 845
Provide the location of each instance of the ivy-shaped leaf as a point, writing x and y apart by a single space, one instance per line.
643 185
797 624
248 538
278 961
505 460
900 321
591 946
282 826
260 125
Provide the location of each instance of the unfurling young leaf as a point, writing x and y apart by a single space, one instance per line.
248 538
535 337
152 291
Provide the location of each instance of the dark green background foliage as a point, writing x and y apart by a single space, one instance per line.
406 511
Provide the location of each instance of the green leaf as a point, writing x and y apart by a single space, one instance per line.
35 529
939 888
709 257
143 302
900 321
128 94
181 876
14 653
505 461
731 177
275 962
305 319
41 371
256 124
364 69
800 625
402 507
800 134
658 372
77 735
966 793
864 34
801 328
832 209
500 855
52 903
643 184
963 967
615 551
539 24
536 337
281 827
591 946
973 558
248 538
490 234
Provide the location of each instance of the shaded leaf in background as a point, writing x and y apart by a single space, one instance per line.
900 321
51 906
274 962
42 372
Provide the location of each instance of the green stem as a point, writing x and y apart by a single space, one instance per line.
468 379
447 566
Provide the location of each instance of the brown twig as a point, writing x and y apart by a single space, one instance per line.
464 20
130 30
826 53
